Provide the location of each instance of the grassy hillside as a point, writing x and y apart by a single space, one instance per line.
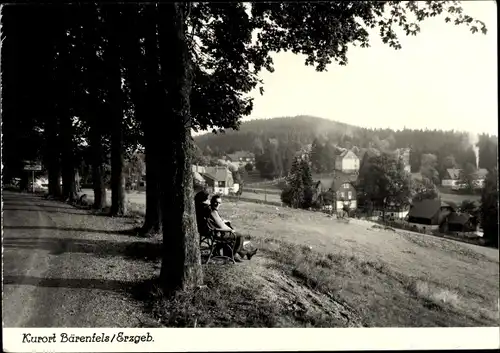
315 271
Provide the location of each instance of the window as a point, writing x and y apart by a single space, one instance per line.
222 184
342 195
346 186
349 195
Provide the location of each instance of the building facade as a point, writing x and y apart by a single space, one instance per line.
347 162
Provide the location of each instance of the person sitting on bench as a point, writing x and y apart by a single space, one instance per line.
217 222
202 207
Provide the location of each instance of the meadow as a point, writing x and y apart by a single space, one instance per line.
313 270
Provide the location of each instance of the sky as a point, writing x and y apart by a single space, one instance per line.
443 78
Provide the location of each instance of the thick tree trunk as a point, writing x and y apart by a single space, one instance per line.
99 187
97 169
68 179
112 52
181 265
118 204
54 179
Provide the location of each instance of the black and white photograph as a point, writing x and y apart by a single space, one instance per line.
248 165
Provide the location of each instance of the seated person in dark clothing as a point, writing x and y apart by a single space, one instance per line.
202 208
217 222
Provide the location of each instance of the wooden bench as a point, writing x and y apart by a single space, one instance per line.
214 240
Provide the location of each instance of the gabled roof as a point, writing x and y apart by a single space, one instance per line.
425 208
347 153
339 180
217 173
197 176
454 173
334 182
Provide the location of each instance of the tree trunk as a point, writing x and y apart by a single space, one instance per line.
118 205
152 222
53 158
97 168
68 168
147 98
181 265
54 171
112 52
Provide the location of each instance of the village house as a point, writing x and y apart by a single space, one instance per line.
347 162
218 179
452 178
342 186
241 158
429 214
460 223
391 212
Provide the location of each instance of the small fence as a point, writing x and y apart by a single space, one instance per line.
247 199
262 191
267 182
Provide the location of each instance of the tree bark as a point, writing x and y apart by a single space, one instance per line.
112 52
181 265
97 168
118 204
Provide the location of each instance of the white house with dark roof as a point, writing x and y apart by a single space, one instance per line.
219 179
347 162
452 177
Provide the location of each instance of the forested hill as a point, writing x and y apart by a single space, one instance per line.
296 132
253 133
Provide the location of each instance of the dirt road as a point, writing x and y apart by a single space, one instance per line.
62 268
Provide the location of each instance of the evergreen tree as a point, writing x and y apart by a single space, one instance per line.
293 194
307 183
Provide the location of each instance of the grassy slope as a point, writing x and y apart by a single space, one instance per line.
316 271
390 278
